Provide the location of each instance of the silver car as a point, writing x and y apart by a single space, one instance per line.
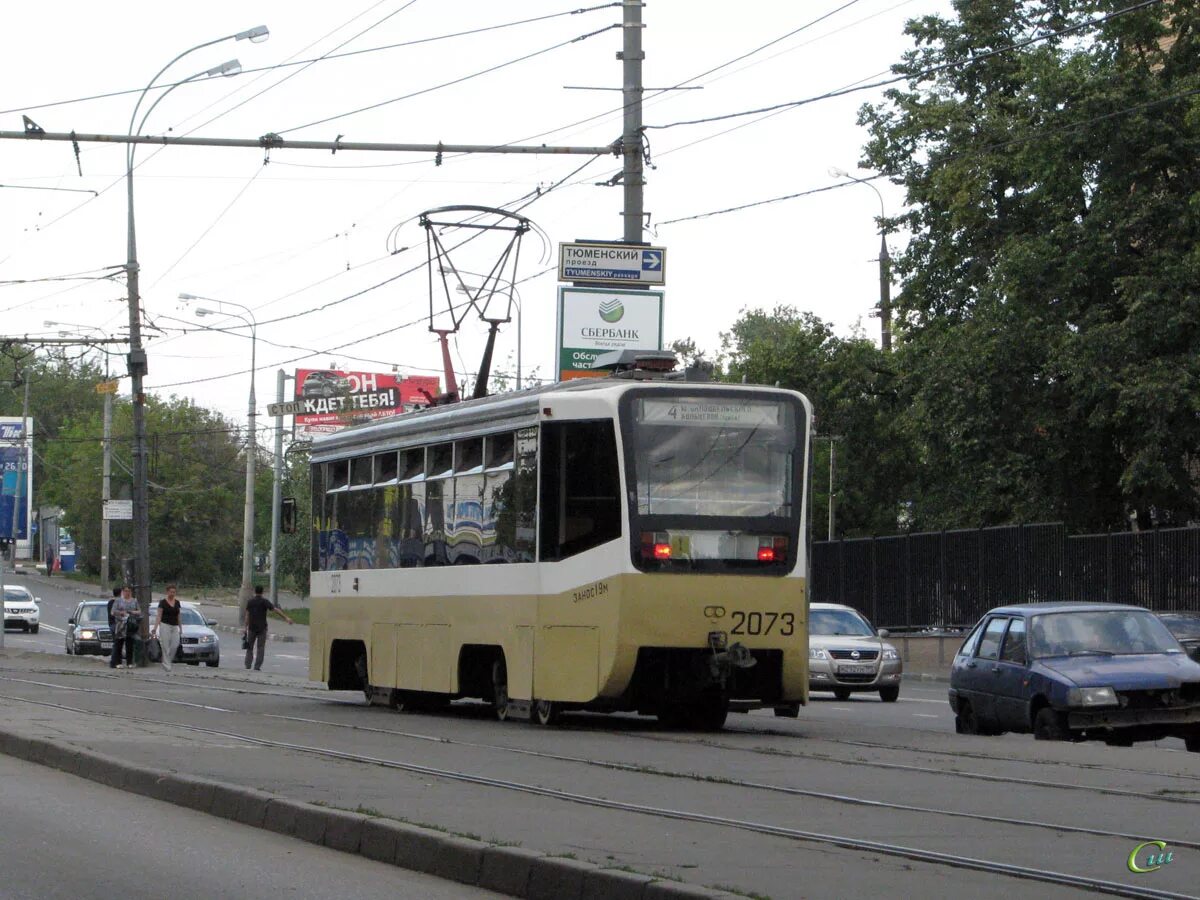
198 642
846 655
21 609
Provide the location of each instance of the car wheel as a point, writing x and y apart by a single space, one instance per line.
791 711
889 694
212 663
1049 725
966 722
1119 741
842 693
1192 743
33 629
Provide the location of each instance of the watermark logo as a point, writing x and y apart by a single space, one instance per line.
611 311
1149 856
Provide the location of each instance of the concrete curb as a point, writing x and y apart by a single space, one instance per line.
513 871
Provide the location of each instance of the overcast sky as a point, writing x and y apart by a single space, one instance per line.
293 238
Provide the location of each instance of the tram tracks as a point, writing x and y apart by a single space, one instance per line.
956 861
643 769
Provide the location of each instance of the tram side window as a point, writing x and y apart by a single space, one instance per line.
580 504
319 527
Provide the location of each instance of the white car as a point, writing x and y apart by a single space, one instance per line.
21 608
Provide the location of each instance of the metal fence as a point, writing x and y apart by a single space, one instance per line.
949 579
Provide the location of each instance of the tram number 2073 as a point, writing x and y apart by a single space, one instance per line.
763 623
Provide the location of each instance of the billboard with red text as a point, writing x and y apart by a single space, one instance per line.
334 399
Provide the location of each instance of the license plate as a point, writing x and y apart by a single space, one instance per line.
106 645
856 670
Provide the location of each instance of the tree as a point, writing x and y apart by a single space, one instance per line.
1050 312
196 481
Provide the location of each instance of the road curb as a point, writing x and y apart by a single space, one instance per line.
513 871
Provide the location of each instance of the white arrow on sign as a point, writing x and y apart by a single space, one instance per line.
290 408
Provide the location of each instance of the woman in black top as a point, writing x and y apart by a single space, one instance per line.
166 626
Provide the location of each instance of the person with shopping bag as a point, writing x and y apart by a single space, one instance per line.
126 620
167 628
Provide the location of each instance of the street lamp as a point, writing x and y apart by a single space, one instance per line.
246 316
513 294
137 354
885 280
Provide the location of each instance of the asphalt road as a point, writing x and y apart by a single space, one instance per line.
64 837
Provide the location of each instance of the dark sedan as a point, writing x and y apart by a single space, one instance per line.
1076 671
88 631
1186 628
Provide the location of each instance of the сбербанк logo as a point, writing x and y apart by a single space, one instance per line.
612 310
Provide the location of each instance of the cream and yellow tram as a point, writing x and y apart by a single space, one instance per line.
607 544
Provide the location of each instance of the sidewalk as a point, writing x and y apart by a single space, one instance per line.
223 608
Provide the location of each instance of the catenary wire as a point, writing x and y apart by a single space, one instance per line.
919 75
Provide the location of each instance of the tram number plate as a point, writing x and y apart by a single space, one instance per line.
763 623
856 670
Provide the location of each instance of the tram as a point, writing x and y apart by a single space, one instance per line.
636 542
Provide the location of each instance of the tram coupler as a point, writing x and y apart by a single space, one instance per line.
726 657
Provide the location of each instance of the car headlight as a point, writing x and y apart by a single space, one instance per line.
87 635
890 653
817 653
207 638
1092 696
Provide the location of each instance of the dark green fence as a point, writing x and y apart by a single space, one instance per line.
948 579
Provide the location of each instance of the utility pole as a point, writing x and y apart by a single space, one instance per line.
631 139
885 292
106 493
277 489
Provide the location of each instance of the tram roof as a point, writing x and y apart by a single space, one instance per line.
468 418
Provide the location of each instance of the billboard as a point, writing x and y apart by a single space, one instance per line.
16 466
592 321
334 399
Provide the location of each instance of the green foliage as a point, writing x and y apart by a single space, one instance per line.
1050 312
294 549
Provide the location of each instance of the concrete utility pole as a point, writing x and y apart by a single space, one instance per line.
885 293
22 474
277 489
106 494
631 139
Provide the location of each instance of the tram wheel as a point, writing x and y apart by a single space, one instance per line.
545 713
709 712
500 690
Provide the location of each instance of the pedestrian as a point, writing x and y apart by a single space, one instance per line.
49 561
257 608
125 621
166 626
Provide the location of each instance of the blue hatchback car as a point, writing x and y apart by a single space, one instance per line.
1076 671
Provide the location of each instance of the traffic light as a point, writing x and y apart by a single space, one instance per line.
287 515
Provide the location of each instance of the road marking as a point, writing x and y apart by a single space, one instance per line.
925 716
288 656
920 700
52 628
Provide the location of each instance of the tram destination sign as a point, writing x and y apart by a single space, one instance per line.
597 263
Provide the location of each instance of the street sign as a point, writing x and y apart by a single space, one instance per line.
107 387
288 408
612 264
118 509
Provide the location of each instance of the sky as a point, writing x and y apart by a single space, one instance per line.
325 250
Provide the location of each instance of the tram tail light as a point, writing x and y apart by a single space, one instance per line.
772 549
656 545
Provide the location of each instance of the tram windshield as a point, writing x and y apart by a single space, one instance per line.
714 456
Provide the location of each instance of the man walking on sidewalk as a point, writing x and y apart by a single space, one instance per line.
257 608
